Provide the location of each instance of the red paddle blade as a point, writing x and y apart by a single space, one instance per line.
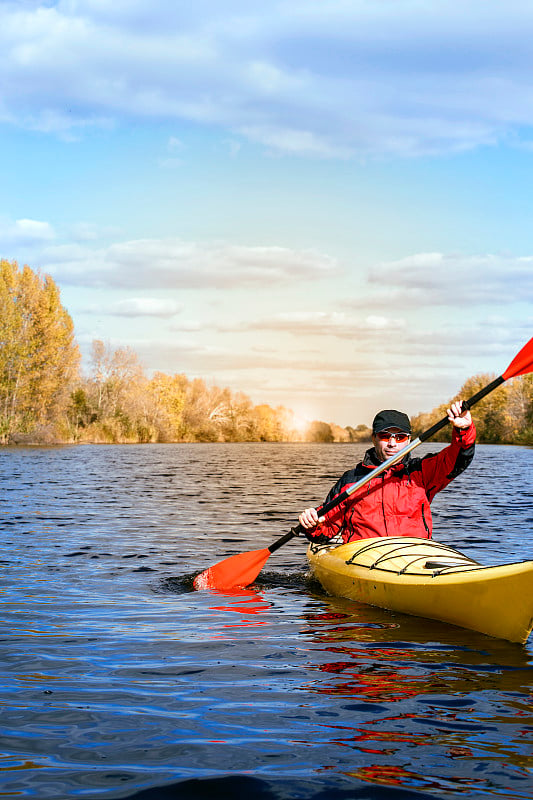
522 363
233 572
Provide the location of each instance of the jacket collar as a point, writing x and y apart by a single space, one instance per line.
371 460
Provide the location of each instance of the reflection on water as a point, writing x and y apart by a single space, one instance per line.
434 693
120 681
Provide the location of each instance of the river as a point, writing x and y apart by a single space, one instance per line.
120 681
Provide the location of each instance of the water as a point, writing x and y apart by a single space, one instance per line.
120 681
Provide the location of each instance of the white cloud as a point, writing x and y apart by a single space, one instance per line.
143 307
293 141
318 79
323 323
25 233
178 264
437 279
89 232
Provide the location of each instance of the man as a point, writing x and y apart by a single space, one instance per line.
397 501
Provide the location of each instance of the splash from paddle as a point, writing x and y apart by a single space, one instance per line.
242 569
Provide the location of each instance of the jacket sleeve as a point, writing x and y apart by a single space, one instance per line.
440 469
335 518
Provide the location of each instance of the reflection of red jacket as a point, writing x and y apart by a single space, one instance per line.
396 502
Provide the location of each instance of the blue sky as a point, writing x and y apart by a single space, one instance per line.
326 205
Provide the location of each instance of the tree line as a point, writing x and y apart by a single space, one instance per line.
505 416
44 398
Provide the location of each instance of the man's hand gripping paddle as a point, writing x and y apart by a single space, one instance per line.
242 569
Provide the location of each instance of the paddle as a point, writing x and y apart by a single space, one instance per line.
243 568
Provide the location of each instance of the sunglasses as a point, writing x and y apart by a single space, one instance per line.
383 436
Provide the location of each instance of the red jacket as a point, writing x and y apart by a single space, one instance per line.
396 502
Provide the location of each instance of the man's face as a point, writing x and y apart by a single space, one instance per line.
387 445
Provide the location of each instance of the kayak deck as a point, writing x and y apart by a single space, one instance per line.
432 580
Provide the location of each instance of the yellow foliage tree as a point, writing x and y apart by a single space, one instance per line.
39 357
169 393
504 416
267 424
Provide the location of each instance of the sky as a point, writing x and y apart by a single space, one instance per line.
324 204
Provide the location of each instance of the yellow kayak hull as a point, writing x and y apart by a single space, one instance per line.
431 580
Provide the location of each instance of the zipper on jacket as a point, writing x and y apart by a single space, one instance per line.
424 521
383 502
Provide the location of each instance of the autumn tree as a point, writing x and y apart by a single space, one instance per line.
505 416
39 357
114 374
266 424
238 426
361 433
519 410
490 414
115 398
169 394
318 431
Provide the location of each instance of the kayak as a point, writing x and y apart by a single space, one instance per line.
429 579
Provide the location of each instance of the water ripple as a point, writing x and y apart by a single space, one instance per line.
120 681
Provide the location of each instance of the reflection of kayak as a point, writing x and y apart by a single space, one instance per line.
429 579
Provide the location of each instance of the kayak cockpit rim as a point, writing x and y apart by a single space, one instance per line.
452 560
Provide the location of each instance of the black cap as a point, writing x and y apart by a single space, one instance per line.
391 419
